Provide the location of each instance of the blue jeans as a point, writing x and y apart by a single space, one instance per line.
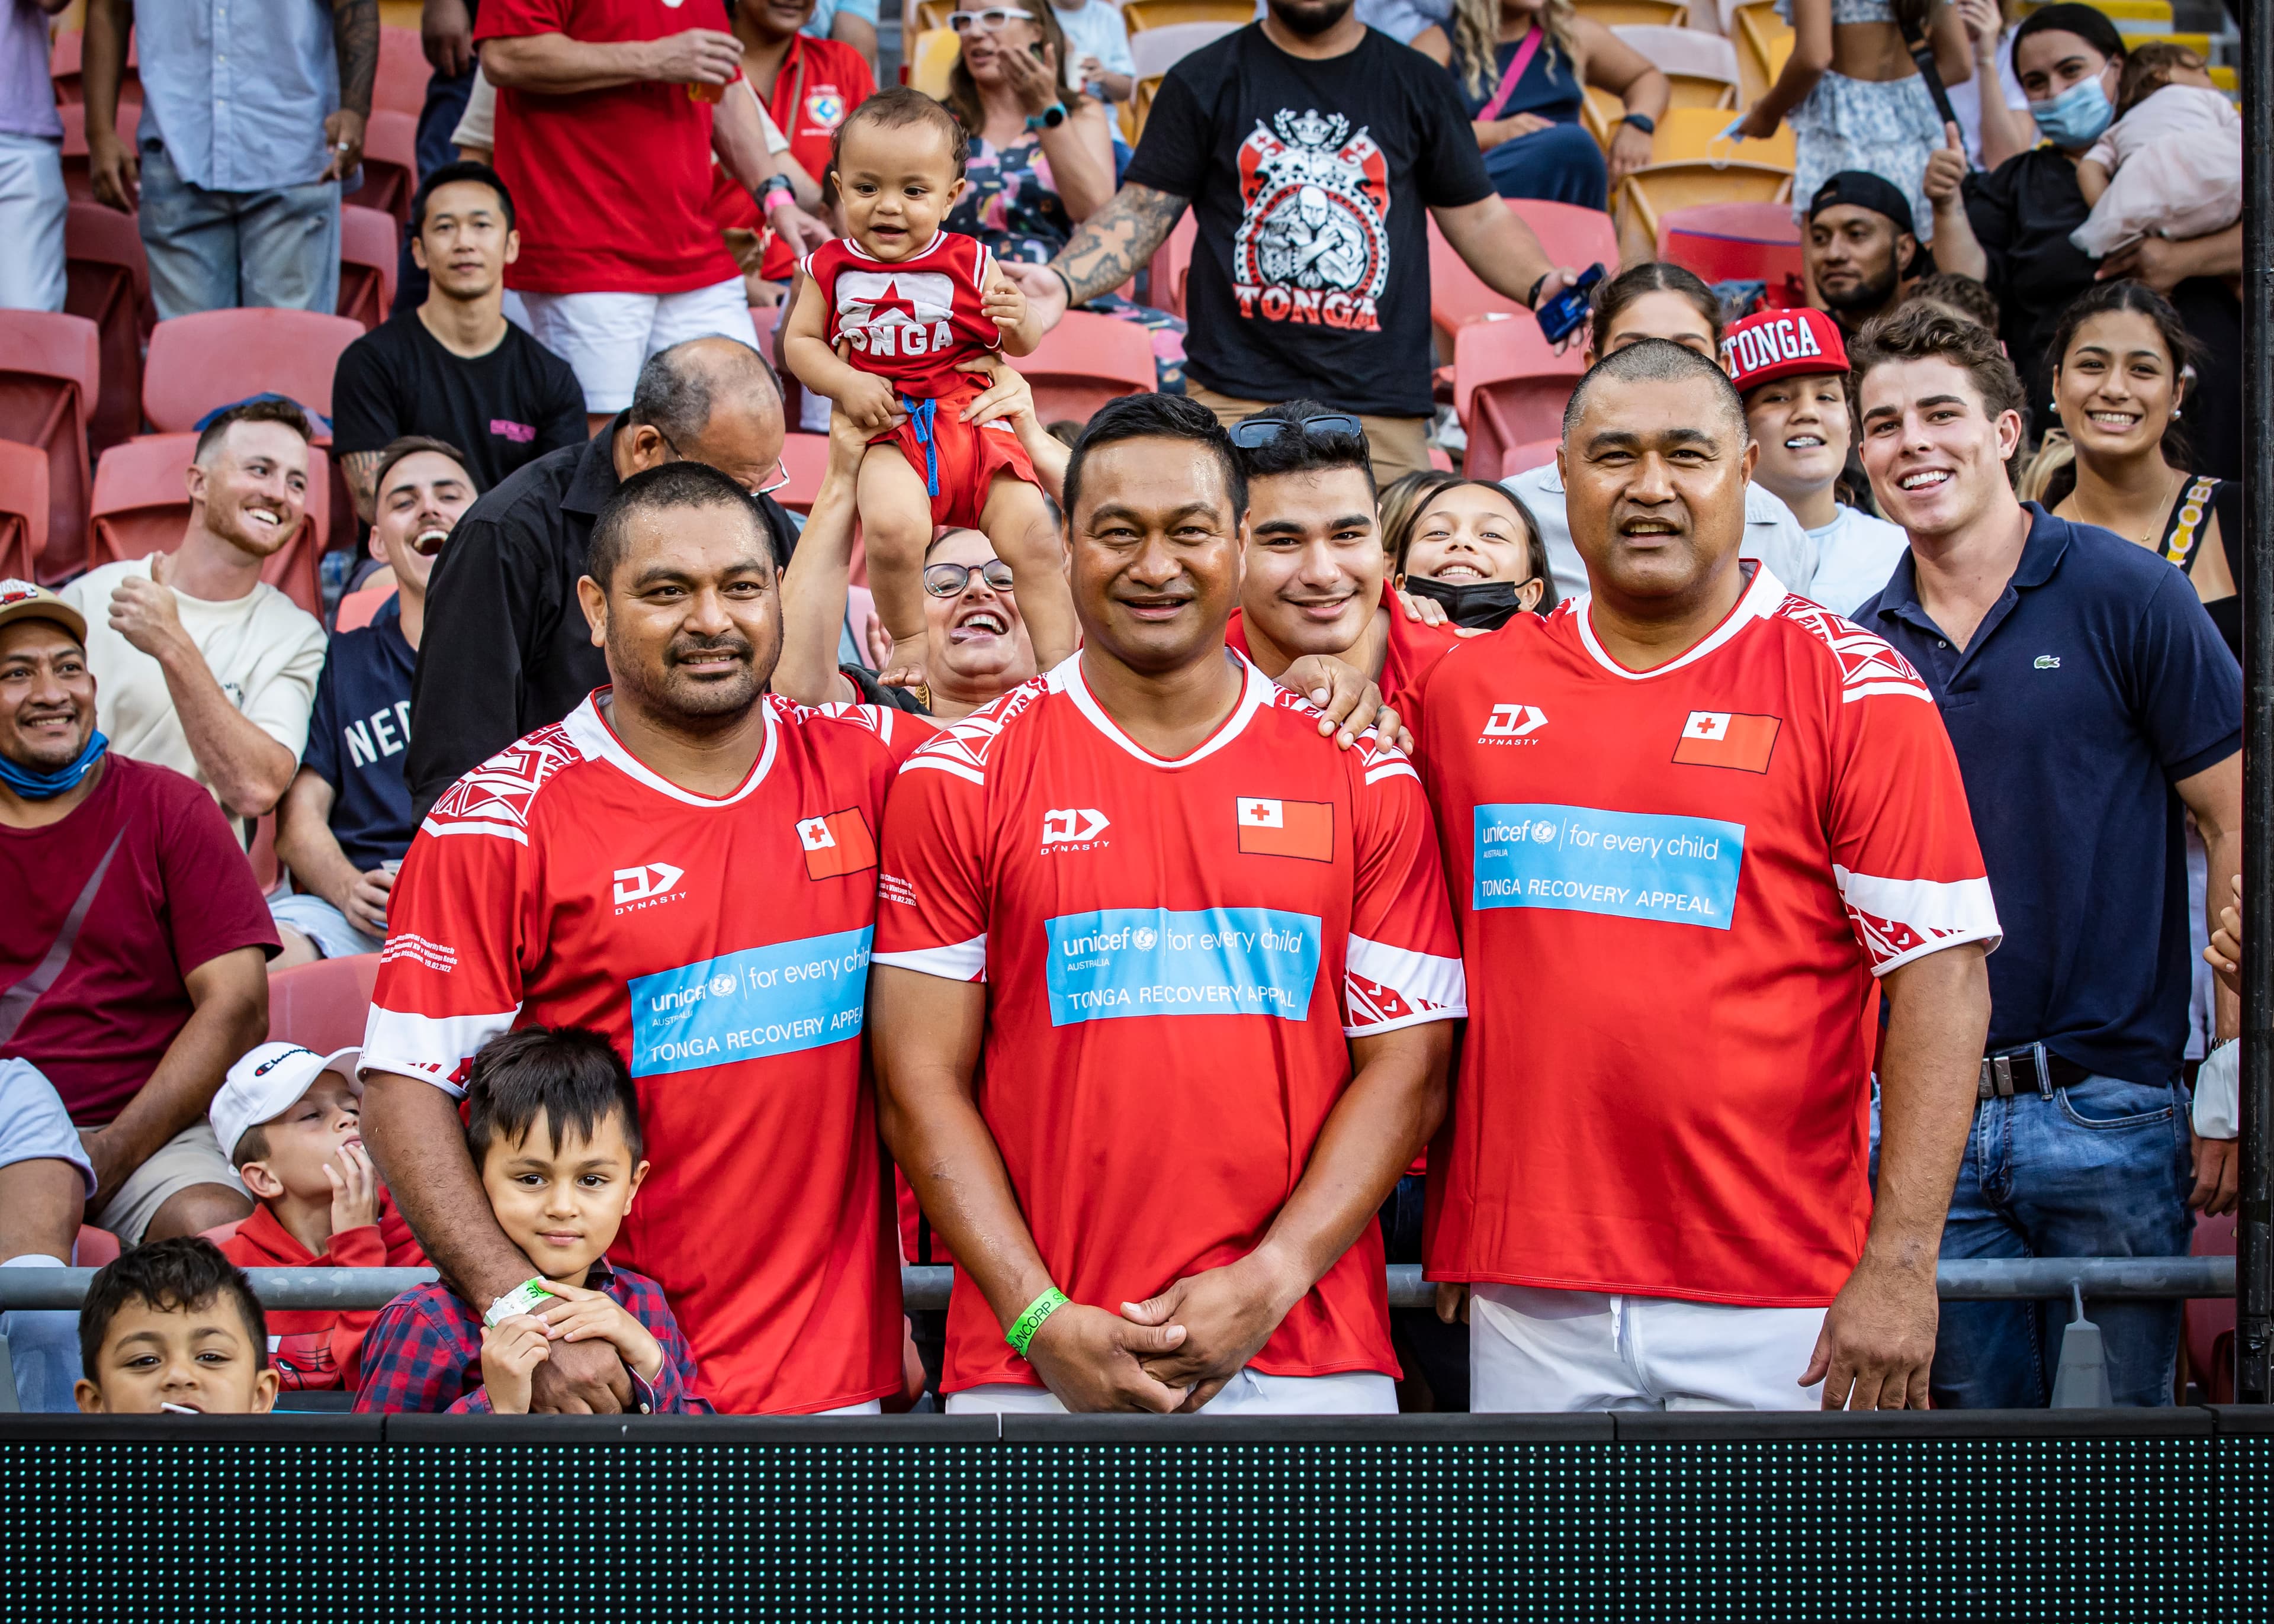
221 250
2101 1170
1561 164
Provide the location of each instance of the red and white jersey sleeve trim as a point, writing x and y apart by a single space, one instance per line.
1898 920
433 1047
953 961
1869 665
495 798
1385 988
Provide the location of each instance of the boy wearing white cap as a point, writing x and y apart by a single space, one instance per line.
290 1121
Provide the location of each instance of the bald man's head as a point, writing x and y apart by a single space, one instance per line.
709 400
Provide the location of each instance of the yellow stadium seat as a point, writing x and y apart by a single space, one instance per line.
1138 106
2122 11
1664 13
1763 40
935 56
1695 132
932 14
1137 14
399 13
1601 111
2199 43
1651 190
2228 81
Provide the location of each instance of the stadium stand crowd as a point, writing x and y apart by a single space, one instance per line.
614 675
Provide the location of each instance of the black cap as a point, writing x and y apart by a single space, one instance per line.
1862 189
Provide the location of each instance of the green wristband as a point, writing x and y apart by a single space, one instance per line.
1023 1329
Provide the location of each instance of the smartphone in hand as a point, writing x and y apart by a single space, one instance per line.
1562 315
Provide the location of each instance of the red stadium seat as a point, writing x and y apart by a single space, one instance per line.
208 359
322 1005
1508 388
75 158
401 87
1570 235
63 70
2211 1320
1086 361
359 608
390 165
1172 263
1732 242
23 510
221 1234
369 242
141 505
109 284
51 375
93 1248
805 458
1522 459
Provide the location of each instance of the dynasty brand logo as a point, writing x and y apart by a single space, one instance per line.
1513 722
646 886
1072 826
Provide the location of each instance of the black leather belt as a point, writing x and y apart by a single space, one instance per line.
2033 1069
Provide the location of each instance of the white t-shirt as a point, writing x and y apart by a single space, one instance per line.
1772 534
263 648
1855 556
1966 99
1097 30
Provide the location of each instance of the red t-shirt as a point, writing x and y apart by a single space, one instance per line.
1676 889
911 320
108 912
609 185
1176 954
1411 649
723 946
820 83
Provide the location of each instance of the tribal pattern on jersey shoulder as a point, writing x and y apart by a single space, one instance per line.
1868 664
961 747
878 719
495 798
1379 757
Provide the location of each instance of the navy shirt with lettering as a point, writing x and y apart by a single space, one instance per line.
2096 683
502 409
357 736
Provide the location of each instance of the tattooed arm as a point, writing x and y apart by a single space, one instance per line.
355 38
1108 249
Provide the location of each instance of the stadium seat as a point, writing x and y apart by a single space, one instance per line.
1140 107
1701 66
2209 1321
1733 242
1172 263
141 504
109 279
1086 361
222 1234
1141 14
359 608
23 510
1689 134
401 87
1763 40
75 156
322 1005
63 70
1570 235
1653 13
93 1248
805 458
932 14
1508 388
1522 459
1156 51
370 241
208 359
390 165
934 58
50 377
1650 193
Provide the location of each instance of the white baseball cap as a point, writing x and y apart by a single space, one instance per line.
267 1082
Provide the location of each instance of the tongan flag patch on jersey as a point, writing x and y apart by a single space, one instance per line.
1285 828
836 844
1726 739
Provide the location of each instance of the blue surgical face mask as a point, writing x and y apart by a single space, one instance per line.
2077 116
47 786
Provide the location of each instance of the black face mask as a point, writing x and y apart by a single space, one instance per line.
1484 604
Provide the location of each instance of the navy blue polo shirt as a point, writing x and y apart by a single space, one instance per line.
357 734
2095 684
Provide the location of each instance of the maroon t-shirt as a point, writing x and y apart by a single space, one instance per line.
107 911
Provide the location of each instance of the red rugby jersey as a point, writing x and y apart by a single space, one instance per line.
907 320
1177 952
723 945
1411 649
1676 889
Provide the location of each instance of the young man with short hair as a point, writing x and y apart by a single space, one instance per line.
343 826
2093 706
204 667
455 369
1859 245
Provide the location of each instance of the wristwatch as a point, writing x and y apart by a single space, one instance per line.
1643 122
776 184
1049 118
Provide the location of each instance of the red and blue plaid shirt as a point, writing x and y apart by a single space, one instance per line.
425 1353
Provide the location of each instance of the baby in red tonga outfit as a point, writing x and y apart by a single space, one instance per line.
881 322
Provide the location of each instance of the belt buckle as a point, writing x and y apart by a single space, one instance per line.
1997 1077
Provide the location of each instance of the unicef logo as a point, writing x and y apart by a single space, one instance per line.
1543 831
722 984
1143 937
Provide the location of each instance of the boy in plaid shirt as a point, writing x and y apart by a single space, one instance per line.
553 1126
